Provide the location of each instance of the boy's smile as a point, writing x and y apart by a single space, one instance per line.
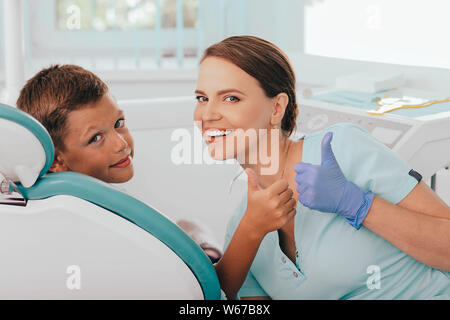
97 143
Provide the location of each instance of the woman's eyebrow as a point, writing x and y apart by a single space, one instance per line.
200 92
221 92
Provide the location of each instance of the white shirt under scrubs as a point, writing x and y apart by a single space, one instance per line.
335 261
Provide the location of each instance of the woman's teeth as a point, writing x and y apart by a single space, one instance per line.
217 133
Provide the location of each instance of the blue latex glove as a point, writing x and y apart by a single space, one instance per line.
325 188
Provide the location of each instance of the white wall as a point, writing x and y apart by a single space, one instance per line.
151 89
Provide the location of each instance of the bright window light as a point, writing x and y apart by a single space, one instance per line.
407 32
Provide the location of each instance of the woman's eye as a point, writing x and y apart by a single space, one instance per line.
119 123
201 99
95 138
232 99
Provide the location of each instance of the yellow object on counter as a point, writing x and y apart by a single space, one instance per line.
390 104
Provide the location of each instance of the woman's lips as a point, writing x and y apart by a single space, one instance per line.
122 163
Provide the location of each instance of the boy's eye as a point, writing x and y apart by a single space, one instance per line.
119 123
201 99
232 99
95 138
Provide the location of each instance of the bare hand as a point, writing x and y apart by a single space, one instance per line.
268 209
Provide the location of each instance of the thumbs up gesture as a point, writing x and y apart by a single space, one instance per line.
268 209
324 188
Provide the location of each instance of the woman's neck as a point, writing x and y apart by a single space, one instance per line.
288 160
279 155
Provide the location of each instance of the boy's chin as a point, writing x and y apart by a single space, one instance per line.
122 177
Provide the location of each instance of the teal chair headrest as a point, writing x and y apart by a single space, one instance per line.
27 149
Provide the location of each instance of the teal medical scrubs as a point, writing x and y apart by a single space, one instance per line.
335 261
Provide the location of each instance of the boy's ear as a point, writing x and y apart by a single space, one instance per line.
58 164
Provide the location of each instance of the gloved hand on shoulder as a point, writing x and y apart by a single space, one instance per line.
324 188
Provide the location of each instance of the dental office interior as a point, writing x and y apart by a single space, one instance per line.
380 64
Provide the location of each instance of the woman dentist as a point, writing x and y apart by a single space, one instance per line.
314 248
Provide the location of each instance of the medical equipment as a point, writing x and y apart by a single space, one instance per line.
420 136
80 238
7 193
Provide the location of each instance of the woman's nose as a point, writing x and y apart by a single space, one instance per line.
211 111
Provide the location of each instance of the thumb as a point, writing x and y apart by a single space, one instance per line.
327 151
253 180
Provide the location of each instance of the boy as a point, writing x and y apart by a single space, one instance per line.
87 127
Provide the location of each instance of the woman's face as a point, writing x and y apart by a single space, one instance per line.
230 99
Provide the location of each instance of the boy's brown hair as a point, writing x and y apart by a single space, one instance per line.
56 91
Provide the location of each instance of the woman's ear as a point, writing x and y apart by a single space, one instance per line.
280 103
58 164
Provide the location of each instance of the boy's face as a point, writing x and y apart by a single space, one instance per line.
97 143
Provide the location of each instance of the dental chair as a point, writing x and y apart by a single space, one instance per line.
70 236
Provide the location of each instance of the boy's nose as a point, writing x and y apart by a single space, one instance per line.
120 142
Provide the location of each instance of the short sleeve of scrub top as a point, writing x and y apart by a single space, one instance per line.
334 260
365 161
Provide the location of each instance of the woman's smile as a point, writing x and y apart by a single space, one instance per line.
213 134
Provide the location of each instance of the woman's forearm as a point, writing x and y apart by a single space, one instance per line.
423 237
233 267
